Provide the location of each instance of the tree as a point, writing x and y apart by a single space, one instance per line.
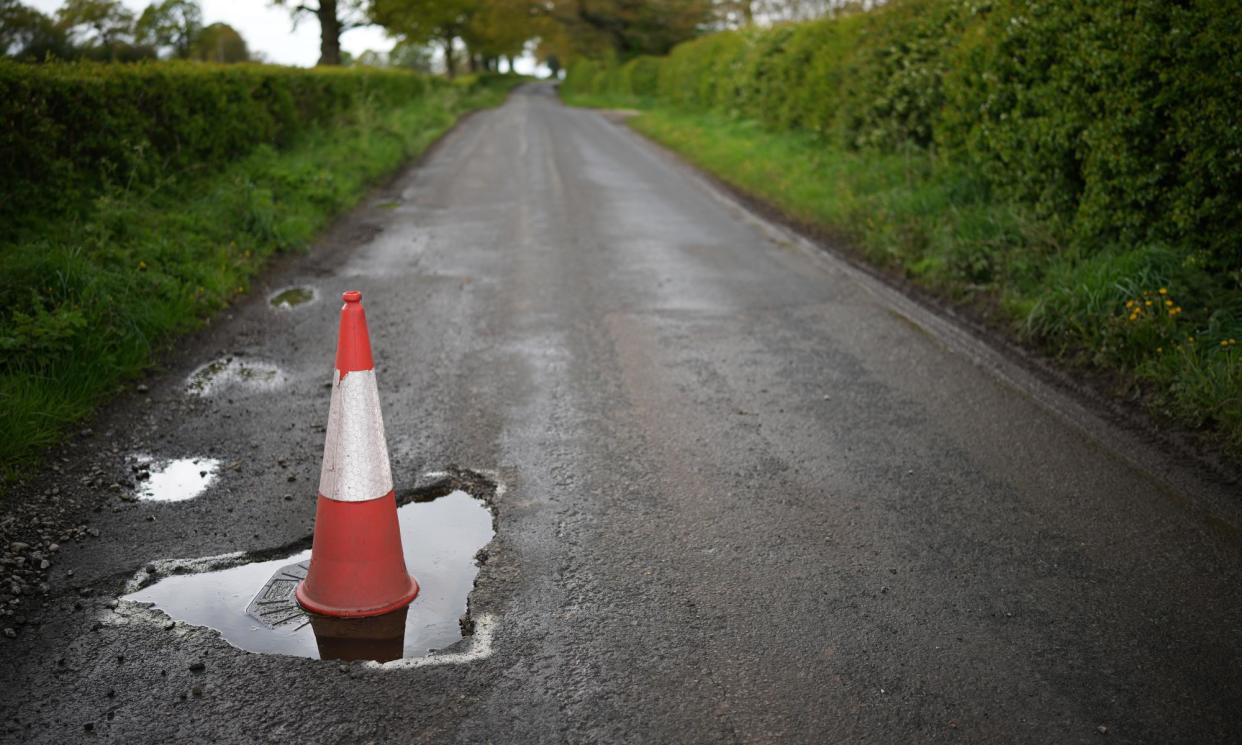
103 22
26 34
426 21
102 30
627 28
219 42
371 58
411 56
171 25
499 28
335 18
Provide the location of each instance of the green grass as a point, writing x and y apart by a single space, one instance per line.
939 225
606 101
142 264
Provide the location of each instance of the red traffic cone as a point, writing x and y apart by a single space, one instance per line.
357 567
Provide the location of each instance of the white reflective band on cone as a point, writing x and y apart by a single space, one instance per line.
355 456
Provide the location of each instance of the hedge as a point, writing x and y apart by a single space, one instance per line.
71 130
1114 122
636 79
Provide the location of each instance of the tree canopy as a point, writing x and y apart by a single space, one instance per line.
108 30
473 34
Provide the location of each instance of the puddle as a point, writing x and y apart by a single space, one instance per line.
175 480
292 297
230 372
440 539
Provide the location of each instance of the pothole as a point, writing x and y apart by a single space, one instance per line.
172 479
291 297
231 372
249 599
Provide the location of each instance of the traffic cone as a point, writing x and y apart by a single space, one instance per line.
357 567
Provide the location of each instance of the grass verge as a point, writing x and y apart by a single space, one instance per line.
145 263
1154 321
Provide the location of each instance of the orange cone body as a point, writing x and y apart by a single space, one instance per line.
357 567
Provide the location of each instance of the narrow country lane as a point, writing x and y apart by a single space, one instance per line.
751 494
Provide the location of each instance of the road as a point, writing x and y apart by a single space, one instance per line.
752 494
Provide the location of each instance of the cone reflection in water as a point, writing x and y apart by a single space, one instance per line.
379 638
357 565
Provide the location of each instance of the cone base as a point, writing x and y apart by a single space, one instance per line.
357 567
309 604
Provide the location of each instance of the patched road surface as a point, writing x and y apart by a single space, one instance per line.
744 493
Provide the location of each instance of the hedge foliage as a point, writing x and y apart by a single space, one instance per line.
636 79
71 130
1114 122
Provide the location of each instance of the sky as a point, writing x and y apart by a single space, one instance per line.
269 30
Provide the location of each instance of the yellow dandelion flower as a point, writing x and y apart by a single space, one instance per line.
1147 303
1164 291
1159 350
1169 303
1224 342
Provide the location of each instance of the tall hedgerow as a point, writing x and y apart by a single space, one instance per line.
70 130
1122 119
640 77
1115 121
636 78
580 77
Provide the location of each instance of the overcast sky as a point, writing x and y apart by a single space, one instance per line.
266 29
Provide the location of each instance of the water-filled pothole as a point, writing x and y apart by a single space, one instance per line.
440 539
229 372
291 297
172 480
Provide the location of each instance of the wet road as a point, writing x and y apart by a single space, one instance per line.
749 494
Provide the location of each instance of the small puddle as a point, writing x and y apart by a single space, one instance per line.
252 605
173 480
229 372
292 297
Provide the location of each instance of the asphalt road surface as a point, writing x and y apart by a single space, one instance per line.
751 493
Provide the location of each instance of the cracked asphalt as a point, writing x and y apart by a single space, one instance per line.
751 493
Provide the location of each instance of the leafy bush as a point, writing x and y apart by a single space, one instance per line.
1123 120
580 76
640 77
1117 122
600 79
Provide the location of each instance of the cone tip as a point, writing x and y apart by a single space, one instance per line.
352 296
